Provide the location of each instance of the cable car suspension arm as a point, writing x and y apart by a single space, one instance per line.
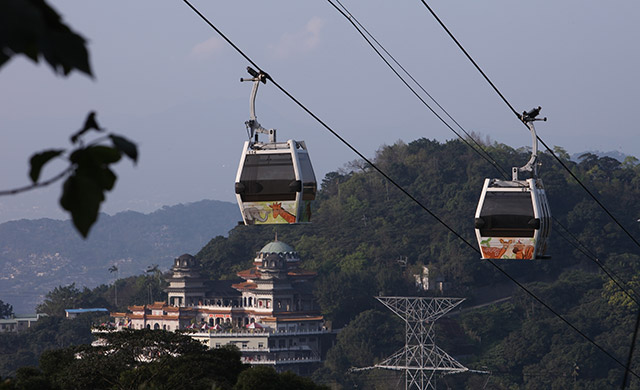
528 117
252 124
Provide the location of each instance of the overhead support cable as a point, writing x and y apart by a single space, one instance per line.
472 60
398 186
364 33
590 255
520 116
360 28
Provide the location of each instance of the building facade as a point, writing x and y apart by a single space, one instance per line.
19 323
270 314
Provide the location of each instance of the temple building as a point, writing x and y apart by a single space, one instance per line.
270 315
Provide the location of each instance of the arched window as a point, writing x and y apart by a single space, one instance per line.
148 326
156 326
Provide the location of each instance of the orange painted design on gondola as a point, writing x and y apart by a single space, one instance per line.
496 252
279 211
523 252
509 249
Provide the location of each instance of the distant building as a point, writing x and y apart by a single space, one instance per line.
424 283
19 323
73 313
270 315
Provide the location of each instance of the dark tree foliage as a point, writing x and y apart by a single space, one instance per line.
369 338
142 359
24 348
70 297
6 310
266 378
150 359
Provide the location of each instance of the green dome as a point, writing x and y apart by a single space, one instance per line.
277 247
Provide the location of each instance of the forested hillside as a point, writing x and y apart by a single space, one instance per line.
362 225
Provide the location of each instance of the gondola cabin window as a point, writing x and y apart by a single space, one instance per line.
268 177
507 214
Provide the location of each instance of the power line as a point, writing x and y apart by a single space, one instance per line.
360 28
471 59
557 159
308 111
590 255
487 156
520 117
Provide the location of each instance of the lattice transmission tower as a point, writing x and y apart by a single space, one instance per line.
420 359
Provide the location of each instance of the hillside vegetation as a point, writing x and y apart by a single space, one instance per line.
362 225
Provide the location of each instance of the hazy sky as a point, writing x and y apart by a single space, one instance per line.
168 82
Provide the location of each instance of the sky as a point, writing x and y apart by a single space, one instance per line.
167 81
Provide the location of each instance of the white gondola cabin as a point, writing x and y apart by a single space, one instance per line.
275 182
513 219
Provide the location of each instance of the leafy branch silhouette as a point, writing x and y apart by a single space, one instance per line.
33 29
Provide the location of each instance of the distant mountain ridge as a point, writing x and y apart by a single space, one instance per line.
613 154
38 255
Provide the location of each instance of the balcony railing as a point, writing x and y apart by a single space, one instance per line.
310 359
256 333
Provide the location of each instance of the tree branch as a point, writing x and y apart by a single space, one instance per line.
37 185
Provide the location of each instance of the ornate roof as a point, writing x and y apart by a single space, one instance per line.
277 247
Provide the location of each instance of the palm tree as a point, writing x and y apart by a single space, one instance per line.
113 269
153 269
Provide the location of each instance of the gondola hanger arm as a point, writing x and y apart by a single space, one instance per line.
528 117
252 124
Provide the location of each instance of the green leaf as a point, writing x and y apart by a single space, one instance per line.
83 191
95 156
38 160
81 196
36 30
125 146
107 179
89 123
101 154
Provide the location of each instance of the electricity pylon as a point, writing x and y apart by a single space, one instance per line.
421 359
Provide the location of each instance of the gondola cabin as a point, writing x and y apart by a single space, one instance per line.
513 220
275 183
